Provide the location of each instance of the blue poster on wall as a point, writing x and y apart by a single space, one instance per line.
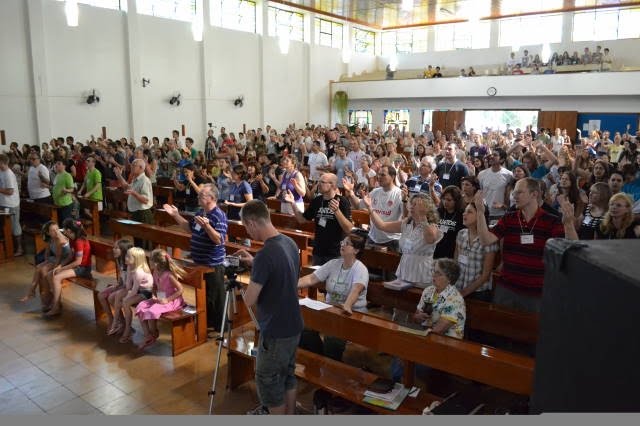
611 122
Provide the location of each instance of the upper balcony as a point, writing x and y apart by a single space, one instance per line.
572 80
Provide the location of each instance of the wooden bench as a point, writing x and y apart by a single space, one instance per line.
189 330
302 239
6 247
287 221
338 378
33 216
481 316
360 217
92 226
164 194
116 203
102 253
274 205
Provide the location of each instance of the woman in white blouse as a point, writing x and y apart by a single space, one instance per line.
346 280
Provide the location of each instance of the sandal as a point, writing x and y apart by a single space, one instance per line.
28 297
117 328
125 339
147 342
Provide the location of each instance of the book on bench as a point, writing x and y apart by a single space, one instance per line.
397 285
390 400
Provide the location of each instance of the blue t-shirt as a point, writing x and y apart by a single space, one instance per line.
540 172
237 192
203 250
632 188
276 268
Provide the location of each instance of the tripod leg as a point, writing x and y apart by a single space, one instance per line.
220 339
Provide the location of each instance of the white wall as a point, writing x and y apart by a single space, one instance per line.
172 61
83 58
17 114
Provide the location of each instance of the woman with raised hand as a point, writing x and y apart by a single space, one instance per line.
419 236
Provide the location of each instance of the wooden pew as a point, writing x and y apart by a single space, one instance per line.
164 194
116 203
481 316
33 216
360 217
92 225
340 379
160 236
493 367
274 205
102 252
6 248
302 239
287 221
189 330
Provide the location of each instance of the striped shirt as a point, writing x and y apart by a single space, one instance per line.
523 268
204 251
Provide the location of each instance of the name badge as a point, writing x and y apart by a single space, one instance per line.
322 222
232 197
475 154
445 176
197 227
526 238
463 259
188 191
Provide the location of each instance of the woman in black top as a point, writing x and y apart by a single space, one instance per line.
450 223
594 211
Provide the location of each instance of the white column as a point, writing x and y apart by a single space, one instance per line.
262 24
35 24
567 29
207 72
136 95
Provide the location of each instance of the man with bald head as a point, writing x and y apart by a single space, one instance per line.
140 200
332 216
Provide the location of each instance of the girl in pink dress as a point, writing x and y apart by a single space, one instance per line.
167 295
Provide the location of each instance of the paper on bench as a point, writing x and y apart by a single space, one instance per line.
128 221
314 304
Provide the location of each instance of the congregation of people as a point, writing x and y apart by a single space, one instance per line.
456 206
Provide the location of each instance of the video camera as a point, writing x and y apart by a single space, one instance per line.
232 267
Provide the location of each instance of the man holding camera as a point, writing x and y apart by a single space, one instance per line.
208 232
332 216
273 288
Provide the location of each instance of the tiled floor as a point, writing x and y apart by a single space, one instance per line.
68 365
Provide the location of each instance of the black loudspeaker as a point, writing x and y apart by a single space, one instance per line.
588 353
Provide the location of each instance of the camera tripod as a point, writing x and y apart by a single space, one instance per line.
227 325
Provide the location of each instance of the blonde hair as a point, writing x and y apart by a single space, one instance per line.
139 259
432 211
607 227
164 262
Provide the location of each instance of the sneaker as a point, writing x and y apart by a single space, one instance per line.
259 411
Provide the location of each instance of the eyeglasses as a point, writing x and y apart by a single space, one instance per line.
325 182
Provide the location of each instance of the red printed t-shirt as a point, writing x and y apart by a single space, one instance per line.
81 245
523 268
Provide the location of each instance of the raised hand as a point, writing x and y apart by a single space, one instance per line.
170 209
478 200
366 199
347 185
287 196
568 211
334 205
